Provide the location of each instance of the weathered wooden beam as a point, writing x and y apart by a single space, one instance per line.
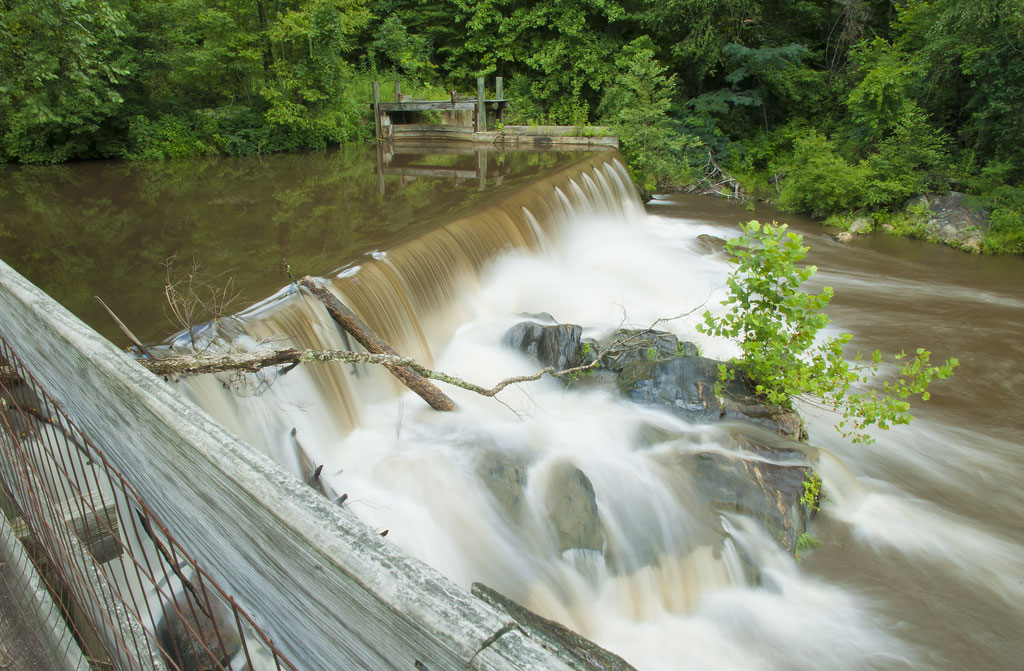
577 652
398 91
427 106
376 109
481 114
499 93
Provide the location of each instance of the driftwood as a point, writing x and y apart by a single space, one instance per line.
255 361
124 329
348 320
717 181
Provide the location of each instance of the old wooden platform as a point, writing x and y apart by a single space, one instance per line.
468 119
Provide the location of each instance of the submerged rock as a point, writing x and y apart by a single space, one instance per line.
760 481
686 385
505 475
710 244
761 474
572 509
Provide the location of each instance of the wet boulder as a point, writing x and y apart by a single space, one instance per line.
760 481
505 475
193 638
628 346
709 244
555 345
686 385
572 509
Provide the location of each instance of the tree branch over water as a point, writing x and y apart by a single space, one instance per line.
255 361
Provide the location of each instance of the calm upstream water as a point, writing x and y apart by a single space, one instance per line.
921 563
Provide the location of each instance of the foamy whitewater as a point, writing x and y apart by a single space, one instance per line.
670 590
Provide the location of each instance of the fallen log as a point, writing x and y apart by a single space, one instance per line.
348 320
255 361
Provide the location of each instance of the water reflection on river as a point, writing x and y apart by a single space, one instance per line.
106 227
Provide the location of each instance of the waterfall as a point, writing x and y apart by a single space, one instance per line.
653 574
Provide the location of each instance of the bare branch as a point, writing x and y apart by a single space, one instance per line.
255 361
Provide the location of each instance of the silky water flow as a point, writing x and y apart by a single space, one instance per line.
665 581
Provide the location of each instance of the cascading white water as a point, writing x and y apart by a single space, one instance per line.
471 492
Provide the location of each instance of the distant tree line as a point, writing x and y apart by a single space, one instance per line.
825 106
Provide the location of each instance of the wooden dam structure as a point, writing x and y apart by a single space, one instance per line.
478 119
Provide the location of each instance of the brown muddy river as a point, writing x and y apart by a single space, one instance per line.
921 562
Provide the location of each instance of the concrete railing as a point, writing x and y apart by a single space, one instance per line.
329 591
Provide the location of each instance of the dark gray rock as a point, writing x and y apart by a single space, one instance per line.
628 346
556 345
572 509
686 385
760 481
194 640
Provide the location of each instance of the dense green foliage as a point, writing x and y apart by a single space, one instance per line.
778 328
832 107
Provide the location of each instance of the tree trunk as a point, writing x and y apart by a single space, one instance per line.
348 320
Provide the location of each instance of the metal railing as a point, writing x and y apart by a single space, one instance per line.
131 594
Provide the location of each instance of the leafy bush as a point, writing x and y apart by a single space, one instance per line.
819 180
777 327
636 105
1005 234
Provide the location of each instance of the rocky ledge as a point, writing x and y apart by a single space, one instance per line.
760 472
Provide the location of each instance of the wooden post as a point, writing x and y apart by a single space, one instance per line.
398 91
481 168
499 94
376 109
481 114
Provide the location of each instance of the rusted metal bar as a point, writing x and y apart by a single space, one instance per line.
133 596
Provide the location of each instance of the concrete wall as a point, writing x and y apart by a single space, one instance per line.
330 592
33 635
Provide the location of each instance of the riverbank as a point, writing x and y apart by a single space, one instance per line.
954 218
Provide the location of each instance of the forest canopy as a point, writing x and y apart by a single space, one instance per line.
825 106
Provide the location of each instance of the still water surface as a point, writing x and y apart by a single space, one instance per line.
107 228
922 556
